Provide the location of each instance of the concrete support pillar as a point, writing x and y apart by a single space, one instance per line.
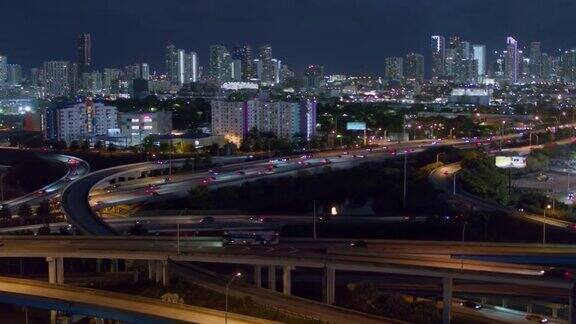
158 271
287 280
51 270
113 265
529 308
151 269
272 277
258 276
329 283
165 274
60 271
98 265
504 302
483 300
554 312
446 299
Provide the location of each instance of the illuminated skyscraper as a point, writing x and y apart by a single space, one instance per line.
191 67
14 72
265 56
145 71
438 56
220 64
393 70
244 54
511 62
171 63
57 82
84 46
3 69
414 67
535 61
479 54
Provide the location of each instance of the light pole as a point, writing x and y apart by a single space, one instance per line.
238 274
405 172
314 219
2 188
454 183
544 225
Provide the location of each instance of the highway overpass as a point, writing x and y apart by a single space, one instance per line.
71 300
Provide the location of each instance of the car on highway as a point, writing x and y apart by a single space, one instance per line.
41 191
558 273
254 219
446 172
208 180
240 172
358 244
536 318
207 220
471 304
166 180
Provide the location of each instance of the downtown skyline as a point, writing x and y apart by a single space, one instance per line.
301 33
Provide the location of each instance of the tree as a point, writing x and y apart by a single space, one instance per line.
364 297
85 145
74 145
24 211
396 306
5 213
99 146
43 211
425 311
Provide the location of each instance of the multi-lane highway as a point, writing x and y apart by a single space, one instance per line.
109 305
75 169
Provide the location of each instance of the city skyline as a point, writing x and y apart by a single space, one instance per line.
142 33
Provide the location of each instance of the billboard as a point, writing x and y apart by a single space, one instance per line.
356 126
511 162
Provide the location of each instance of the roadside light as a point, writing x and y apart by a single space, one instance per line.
548 206
333 211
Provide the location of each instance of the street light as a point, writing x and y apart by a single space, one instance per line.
544 225
238 274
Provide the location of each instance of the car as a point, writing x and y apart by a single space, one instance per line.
67 179
471 304
358 244
326 161
558 273
256 219
240 172
536 318
207 220
446 172
166 180
360 156
212 172
41 191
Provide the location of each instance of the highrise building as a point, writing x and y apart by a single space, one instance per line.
14 74
438 57
74 78
111 82
133 72
394 69
236 70
479 54
57 78
181 67
171 63
314 74
535 61
191 67
277 66
220 64
244 54
145 71
568 66
414 67
35 76
3 69
265 56
84 46
511 61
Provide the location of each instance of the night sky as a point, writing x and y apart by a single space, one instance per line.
347 36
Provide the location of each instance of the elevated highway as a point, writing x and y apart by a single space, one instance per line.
109 305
